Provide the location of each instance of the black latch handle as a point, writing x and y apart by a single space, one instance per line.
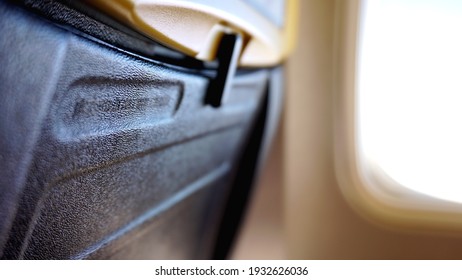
228 53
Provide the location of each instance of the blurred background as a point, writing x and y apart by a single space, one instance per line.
298 211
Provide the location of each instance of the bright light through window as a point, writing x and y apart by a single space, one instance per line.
410 93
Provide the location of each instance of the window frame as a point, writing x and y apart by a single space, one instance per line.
369 191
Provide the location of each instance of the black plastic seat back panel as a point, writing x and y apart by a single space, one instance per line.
106 154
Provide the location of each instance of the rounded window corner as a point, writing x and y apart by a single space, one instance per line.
367 188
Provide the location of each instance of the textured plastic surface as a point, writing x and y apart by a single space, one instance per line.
106 154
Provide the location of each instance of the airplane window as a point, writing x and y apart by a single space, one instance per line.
409 93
